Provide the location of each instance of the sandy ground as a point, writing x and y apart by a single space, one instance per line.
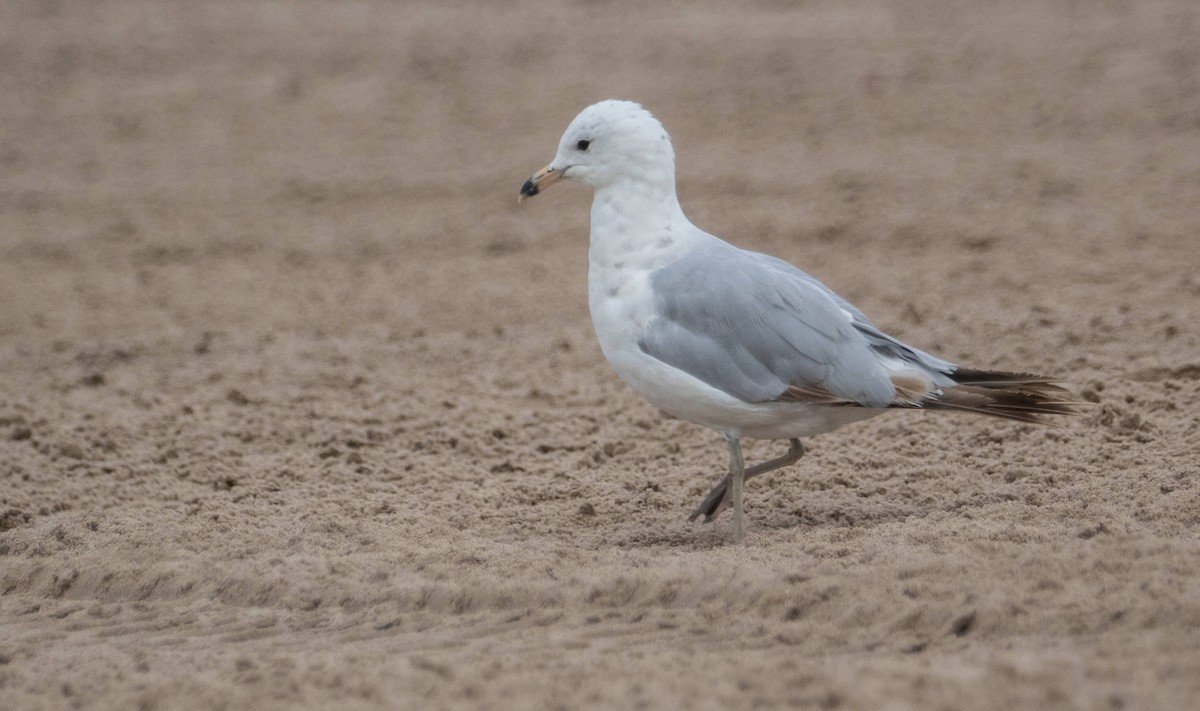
299 408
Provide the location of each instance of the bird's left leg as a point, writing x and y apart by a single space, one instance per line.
737 474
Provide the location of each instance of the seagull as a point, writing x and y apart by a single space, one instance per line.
734 340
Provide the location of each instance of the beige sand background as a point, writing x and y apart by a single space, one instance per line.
299 408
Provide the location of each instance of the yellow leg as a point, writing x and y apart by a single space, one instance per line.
737 473
718 499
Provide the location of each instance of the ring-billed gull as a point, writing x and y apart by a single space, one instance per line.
735 340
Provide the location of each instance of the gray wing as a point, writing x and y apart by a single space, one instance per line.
883 343
753 326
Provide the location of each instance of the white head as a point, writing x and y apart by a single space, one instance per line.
608 143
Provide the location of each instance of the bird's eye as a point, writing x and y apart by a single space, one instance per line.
583 145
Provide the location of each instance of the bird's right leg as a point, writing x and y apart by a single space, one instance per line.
718 499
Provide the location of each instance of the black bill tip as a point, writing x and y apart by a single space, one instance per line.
529 189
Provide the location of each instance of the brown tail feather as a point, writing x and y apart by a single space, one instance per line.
1014 396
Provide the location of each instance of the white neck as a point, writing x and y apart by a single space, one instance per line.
636 222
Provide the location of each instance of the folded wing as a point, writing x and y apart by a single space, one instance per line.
761 330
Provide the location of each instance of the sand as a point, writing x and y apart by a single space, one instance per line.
298 408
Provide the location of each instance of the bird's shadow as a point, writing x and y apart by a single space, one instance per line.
698 535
